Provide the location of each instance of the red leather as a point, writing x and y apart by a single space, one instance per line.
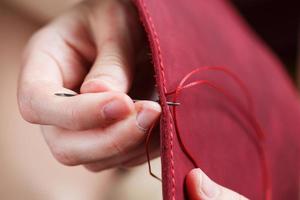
186 34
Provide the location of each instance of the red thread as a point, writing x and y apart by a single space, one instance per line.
260 136
148 138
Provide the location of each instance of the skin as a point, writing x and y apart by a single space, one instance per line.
93 50
28 171
201 187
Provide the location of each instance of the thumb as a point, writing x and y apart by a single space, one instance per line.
114 28
201 187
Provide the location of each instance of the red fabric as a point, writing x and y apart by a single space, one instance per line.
186 34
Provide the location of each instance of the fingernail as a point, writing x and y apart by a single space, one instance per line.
115 109
146 117
208 188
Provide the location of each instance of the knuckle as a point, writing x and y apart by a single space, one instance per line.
113 69
74 120
117 148
113 59
111 77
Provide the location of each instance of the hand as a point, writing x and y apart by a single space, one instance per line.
201 187
94 49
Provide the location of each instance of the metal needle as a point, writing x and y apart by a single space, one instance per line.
170 103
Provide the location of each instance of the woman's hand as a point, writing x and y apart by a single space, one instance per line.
201 187
94 49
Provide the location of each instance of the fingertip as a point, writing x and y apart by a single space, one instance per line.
200 186
118 107
128 101
195 172
147 114
149 105
193 181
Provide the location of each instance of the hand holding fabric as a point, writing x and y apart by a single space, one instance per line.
201 187
92 50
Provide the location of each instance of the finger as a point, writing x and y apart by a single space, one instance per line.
127 159
81 112
141 159
112 24
153 149
59 53
54 62
82 147
201 187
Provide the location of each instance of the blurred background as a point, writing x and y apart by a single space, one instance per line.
28 170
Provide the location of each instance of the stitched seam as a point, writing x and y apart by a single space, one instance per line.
172 158
157 45
162 74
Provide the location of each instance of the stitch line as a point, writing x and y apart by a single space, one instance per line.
162 74
157 46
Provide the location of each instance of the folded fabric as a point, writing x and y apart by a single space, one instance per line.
187 34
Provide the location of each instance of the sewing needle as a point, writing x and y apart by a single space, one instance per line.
170 103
